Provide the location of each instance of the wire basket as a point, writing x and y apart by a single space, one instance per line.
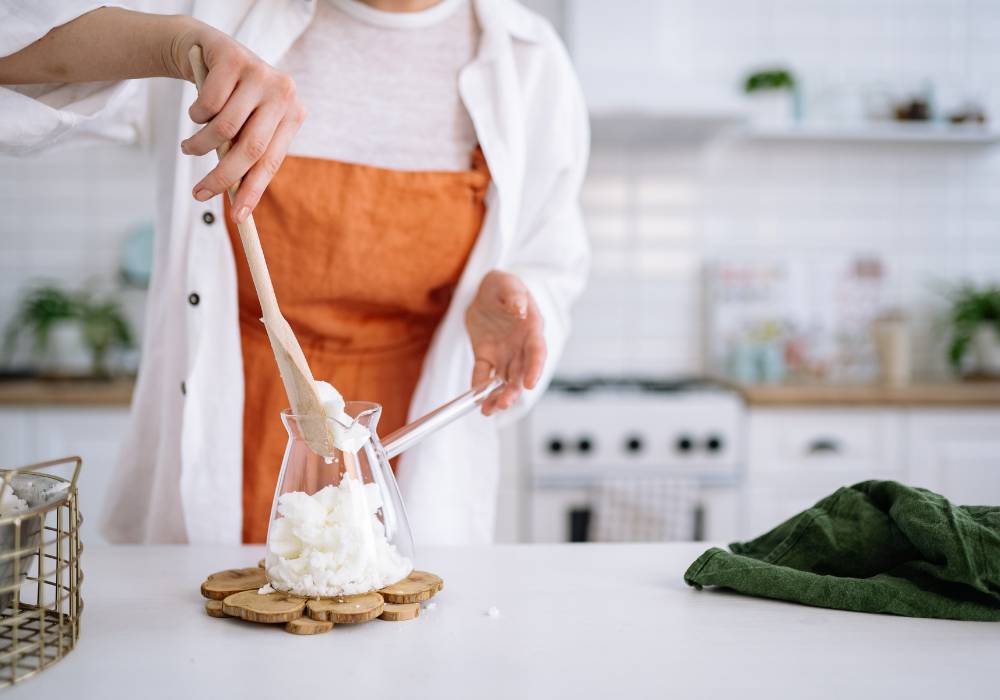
40 575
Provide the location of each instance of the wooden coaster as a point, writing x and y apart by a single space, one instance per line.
307 625
271 608
214 608
348 609
399 612
415 588
224 583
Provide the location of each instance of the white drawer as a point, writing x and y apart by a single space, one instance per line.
858 444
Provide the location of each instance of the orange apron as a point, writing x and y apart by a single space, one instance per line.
364 262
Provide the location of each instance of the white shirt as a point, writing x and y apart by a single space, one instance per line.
381 88
179 477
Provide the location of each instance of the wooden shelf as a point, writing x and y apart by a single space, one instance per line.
922 394
82 392
888 132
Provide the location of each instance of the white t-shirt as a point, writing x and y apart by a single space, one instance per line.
381 88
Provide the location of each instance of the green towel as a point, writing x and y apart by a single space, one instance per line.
878 547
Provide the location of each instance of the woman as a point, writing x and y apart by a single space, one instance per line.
423 230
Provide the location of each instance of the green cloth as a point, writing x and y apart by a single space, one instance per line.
878 547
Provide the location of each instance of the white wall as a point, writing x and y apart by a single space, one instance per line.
657 213
64 215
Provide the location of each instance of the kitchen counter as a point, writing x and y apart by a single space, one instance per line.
576 621
75 392
925 394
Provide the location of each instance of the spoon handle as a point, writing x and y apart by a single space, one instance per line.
409 435
248 229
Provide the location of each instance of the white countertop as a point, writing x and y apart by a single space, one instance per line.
577 621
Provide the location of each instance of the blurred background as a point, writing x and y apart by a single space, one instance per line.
794 207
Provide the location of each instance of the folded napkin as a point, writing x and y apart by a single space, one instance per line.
878 547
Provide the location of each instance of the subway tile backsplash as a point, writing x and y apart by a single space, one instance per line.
658 213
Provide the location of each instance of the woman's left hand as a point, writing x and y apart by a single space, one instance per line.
505 328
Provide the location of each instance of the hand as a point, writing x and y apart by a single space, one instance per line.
505 328
244 100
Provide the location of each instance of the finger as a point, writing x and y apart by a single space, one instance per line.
219 85
514 300
250 146
512 389
534 359
482 370
260 175
225 125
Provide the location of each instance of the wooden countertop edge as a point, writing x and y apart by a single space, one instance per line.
920 395
56 393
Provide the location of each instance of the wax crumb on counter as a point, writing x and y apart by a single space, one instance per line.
494 612
265 589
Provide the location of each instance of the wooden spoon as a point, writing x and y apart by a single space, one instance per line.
295 374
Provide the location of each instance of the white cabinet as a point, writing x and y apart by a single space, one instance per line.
796 456
956 453
35 434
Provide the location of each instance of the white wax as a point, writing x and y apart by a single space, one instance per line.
332 543
349 439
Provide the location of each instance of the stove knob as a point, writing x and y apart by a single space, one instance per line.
633 444
684 444
714 443
555 446
585 444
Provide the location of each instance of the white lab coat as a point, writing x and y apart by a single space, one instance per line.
180 471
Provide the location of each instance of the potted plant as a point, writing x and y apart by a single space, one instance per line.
772 94
975 319
72 333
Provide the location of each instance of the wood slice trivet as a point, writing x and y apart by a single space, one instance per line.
270 608
399 612
224 583
233 593
307 625
214 608
415 588
348 609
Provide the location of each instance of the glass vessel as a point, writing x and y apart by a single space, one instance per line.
338 525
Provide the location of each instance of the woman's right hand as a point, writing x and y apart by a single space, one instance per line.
243 100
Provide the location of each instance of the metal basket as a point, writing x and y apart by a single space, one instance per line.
40 575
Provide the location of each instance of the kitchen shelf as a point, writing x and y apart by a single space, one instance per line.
981 394
643 127
79 392
890 132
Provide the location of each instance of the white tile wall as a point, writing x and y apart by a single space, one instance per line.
64 215
657 213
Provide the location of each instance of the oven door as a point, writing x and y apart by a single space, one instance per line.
566 513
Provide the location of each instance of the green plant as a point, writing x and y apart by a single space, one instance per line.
771 79
970 308
103 324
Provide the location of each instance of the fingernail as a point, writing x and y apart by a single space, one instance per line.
202 195
184 147
242 213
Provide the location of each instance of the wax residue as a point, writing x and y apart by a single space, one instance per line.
347 435
332 543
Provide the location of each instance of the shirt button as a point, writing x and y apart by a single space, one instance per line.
208 217
194 299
